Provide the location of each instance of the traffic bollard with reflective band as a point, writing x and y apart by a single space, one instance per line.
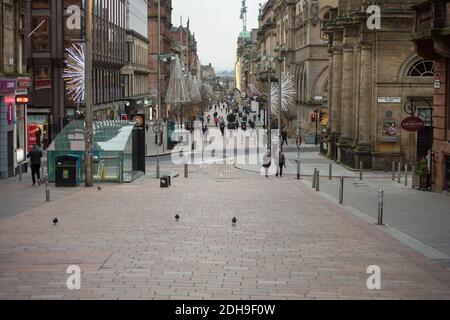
406 175
318 180
380 207
399 178
341 190
393 170
360 171
314 179
186 170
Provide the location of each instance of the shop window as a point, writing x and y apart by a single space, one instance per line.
42 78
422 68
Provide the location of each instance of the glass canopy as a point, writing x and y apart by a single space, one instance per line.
113 150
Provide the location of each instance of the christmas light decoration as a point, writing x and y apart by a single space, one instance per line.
74 72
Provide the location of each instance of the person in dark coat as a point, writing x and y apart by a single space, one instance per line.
35 156
281 163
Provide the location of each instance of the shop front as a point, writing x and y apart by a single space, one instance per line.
7 128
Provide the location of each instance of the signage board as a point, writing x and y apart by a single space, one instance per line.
23 82
389 131
412 124
7 85
22 99
389 99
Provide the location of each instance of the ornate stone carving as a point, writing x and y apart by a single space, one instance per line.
305 10
315 12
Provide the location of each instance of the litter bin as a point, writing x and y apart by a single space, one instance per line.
164 182
67 171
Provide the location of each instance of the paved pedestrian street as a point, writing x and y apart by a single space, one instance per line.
288 243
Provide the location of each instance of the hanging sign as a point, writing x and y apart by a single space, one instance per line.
413 124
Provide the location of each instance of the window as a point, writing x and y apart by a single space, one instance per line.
40 4
422 68
42 79
323 23
40 40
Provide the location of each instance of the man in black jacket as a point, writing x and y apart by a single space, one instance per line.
35 156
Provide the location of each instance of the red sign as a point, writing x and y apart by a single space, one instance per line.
32 140
23 82
413 124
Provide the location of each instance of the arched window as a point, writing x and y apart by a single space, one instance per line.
325 19
422 68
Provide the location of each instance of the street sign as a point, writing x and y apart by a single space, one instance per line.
412 124
389 99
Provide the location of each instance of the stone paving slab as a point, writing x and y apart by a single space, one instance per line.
289 243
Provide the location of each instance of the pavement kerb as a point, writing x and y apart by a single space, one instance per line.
404 238
308 175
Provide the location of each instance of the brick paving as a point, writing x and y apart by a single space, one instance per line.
289 243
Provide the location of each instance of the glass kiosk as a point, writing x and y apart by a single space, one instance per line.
113 150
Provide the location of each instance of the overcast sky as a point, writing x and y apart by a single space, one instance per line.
216 25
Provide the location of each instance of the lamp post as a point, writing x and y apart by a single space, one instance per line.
281 50
159 92
268 66
89 119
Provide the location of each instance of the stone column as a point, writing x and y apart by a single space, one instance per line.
336 92
347 94
365 106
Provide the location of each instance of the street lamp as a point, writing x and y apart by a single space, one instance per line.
281 50
267 66
89 119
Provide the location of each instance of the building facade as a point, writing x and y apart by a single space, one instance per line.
135 75
57 26
432 40
377 80
166 46
14 84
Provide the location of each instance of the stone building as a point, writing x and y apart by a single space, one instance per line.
165 46
296 26
14 84
135 74
432 40
189 55
377 80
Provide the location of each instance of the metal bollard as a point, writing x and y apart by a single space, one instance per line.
314 178
330 171
380 207
399 178
298 169
47 190
393 170
318 180
406 175
360 171
186 170
413 177
20 172
341 190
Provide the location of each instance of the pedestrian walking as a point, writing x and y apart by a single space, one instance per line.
284 136
298 141
222 128
267 161
35 156
281 163
216 121
209 118
146 126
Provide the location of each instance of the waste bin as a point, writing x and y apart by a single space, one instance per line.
168 179
67 171
164 182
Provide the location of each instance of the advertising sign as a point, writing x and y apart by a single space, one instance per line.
389 131
412 124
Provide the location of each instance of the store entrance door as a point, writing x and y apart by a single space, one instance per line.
423 142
